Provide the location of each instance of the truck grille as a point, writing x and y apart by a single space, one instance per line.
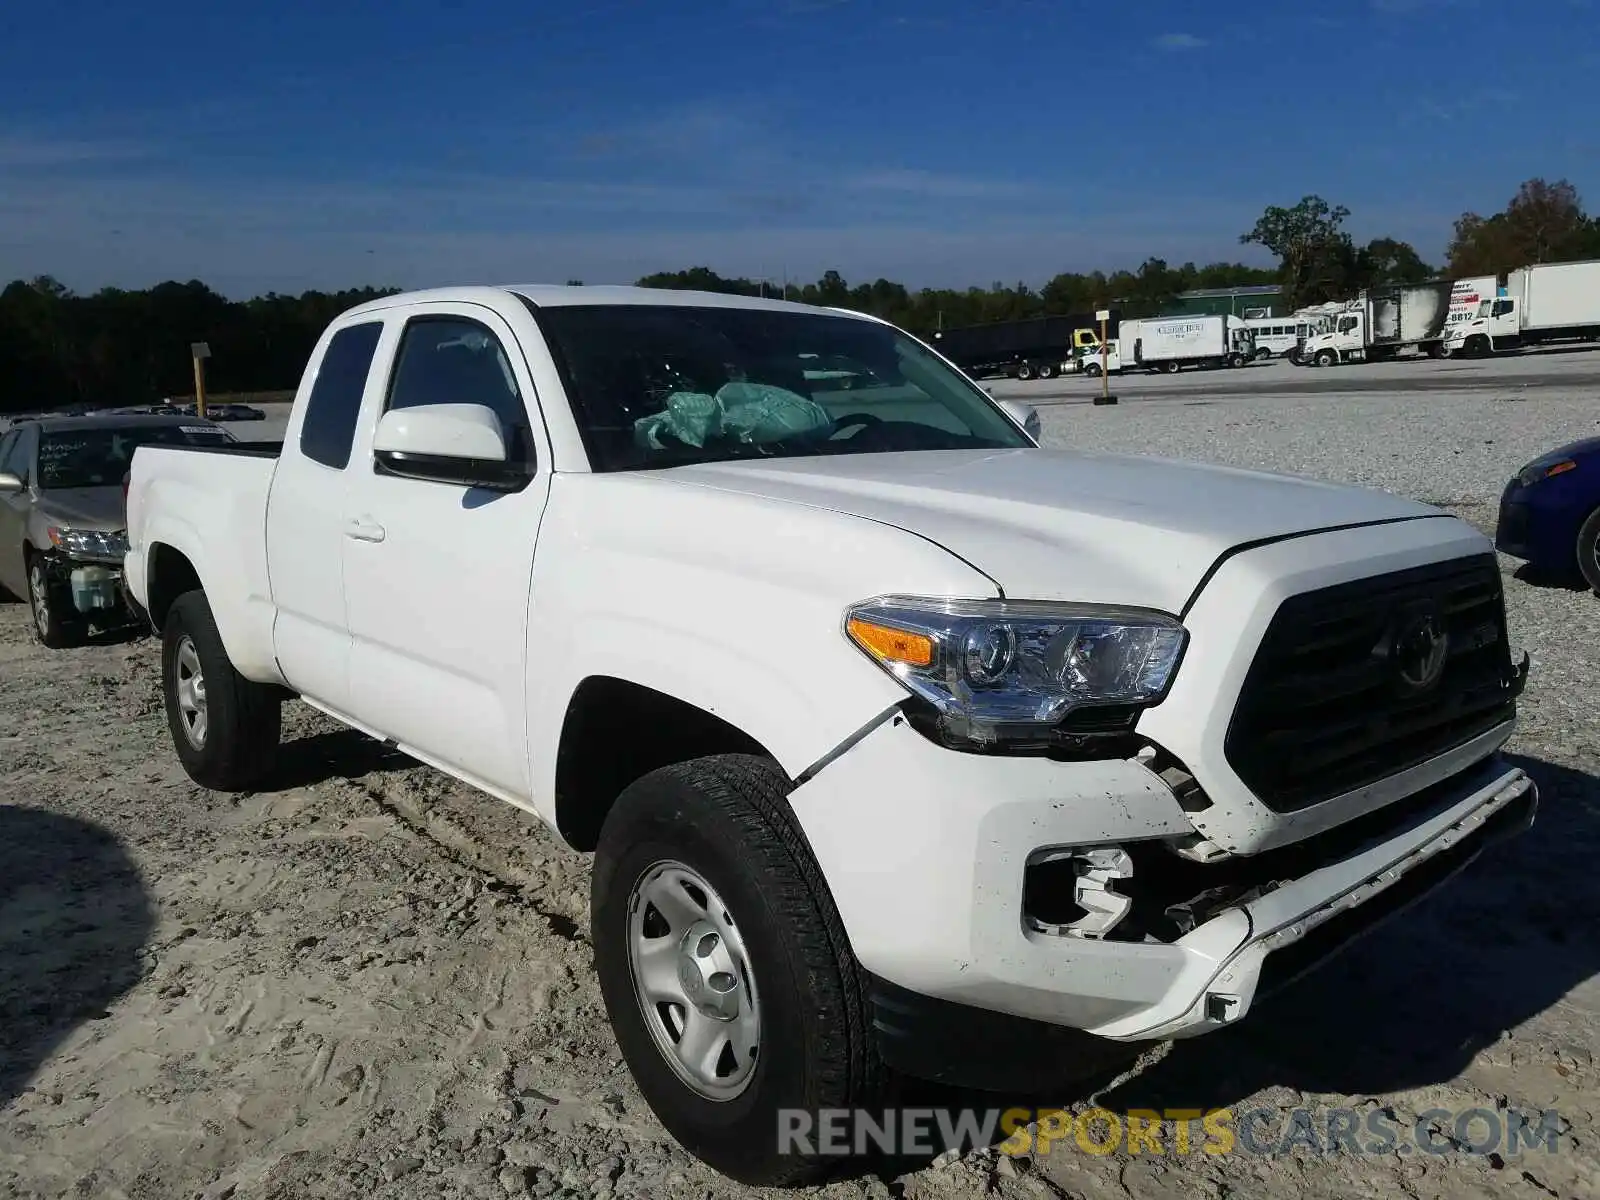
1351 684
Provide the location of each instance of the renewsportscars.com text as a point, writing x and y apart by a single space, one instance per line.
1174 1131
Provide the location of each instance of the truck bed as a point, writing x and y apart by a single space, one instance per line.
246 449
214 514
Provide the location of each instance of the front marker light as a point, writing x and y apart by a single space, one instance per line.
1002 672
1543 469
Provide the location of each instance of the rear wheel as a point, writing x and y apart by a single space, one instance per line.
1025 371
224 727
1171 367
1589 550
1047 370
725 969
56 624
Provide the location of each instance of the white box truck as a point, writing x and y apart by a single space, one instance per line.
1172 343
1551 302
1384 321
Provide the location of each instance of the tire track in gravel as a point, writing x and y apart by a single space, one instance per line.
466 849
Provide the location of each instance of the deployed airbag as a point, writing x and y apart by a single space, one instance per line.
756 413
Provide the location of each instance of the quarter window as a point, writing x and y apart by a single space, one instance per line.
329 427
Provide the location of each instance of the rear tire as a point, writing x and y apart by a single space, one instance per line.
224 727
738 878
1025 371
1047 370
1588 550
1171 367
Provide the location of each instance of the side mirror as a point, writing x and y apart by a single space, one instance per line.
1023 414
447 443
9 483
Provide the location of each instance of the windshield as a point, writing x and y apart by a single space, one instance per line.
87 458
664 385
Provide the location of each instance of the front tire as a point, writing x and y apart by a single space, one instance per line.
1092 370
1326 358
727 975
56 624
224 727
1589 550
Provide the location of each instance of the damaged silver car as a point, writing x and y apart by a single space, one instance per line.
62 528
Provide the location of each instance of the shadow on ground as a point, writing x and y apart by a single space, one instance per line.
1544 577
74 919
341 754
1408 1006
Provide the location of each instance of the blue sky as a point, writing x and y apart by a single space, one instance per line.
293 145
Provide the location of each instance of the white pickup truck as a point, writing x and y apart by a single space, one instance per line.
902 744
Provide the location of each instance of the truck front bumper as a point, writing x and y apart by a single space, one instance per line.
926 851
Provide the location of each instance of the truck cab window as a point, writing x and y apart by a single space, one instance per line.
449 360
329 427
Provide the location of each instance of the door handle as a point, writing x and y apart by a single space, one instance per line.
363 530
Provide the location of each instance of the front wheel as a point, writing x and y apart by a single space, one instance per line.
1589 550
56 624
1326 358
1092 370
726 972
224 727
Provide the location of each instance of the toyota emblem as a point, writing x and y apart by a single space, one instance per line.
1419 649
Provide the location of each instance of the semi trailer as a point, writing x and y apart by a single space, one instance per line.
1031 348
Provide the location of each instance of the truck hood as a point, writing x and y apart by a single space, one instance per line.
1066 525
97 508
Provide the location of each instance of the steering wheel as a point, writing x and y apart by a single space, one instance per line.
863 420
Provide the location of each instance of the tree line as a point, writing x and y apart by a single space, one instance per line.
118 346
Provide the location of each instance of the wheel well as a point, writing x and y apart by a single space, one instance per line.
614 733
171 575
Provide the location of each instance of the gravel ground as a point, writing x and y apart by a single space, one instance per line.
373 982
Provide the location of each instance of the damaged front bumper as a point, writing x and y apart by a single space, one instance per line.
927 852
91 585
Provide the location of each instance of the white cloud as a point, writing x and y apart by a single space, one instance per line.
21 151
1180 41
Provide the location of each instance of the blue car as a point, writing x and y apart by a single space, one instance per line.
1550 513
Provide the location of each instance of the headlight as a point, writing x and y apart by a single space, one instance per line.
1002 672
89 543
1543 469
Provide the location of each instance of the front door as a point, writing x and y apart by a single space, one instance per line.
437 575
